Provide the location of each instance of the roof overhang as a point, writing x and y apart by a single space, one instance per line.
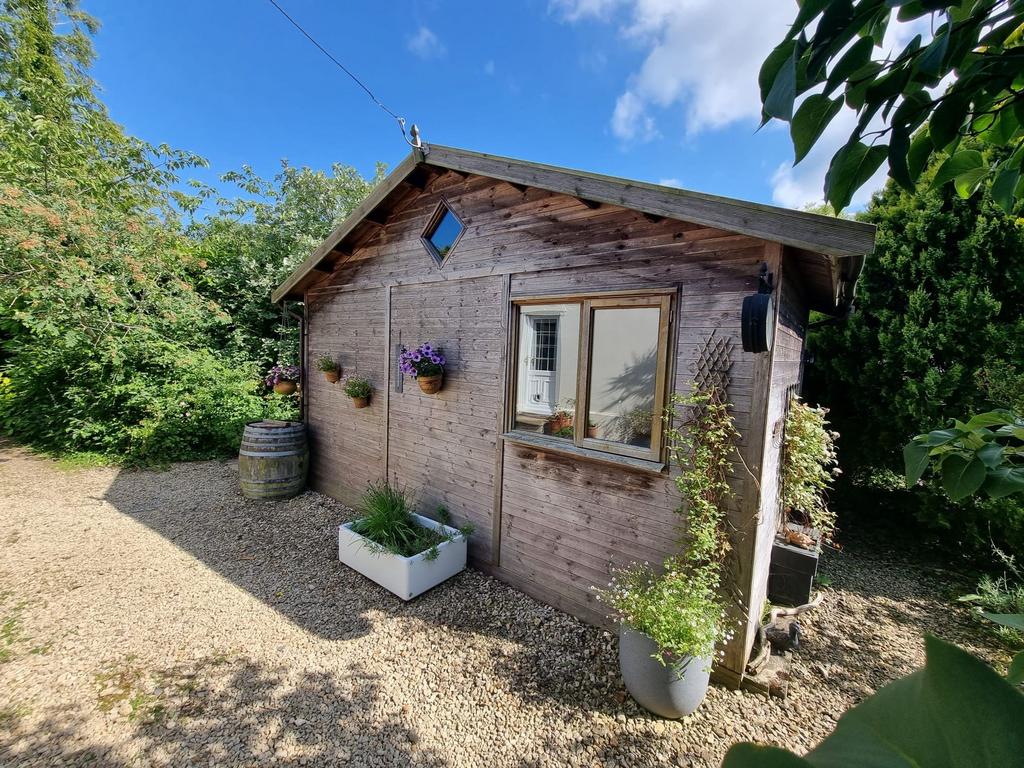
842 242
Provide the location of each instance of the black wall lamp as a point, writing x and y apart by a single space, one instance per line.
758 318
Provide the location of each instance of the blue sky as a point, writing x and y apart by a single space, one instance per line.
658 90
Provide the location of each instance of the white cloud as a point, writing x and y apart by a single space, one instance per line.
673 182
426 44
630 119
703 55
574 10
702 60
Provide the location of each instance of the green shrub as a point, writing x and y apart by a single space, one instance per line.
356 386
809 466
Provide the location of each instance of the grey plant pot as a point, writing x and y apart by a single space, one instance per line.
671 691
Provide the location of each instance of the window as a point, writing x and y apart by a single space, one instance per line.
442 233
591 371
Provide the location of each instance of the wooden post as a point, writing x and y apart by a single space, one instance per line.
504 382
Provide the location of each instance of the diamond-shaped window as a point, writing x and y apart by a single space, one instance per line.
443 232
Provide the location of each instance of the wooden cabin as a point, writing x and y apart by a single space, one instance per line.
551 290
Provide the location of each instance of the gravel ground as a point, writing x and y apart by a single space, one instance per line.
157 618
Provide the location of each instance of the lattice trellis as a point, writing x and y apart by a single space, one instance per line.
714 361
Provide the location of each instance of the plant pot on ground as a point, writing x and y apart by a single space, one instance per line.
404 552
426 365
670 624
330 368
808 470
359 389
283 379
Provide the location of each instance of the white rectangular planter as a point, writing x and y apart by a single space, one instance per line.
407 577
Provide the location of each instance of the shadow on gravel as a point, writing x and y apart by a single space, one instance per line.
221 712
285 554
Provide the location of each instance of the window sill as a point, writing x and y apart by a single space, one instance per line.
565 448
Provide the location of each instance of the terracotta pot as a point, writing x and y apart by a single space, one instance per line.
332 376
360 402
284 387
430 384
556 423
592 431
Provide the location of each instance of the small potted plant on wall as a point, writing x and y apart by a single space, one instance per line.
426 365
809 466
330 369
359 390
283 379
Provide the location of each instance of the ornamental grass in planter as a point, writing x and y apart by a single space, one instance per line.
402 551
426 365
283 379
359 389
673 617
330 369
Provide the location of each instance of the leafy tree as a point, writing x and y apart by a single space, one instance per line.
837 45
256 240
103 339
937 309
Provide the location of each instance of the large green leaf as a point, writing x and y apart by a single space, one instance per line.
859 55
962 476
990 419
851 167
779 101
967 183
810 120
1004 481
1011 620
955 713
957 164
915 461
1016 673
1003 185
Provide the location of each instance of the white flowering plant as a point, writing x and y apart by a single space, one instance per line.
681 606
678 607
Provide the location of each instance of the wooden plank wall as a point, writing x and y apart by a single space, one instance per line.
346 444
563 522
443 445
786 377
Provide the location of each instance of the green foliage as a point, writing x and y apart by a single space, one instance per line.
680 607
809 466
937 331
1002 594
356 386
326 363
387 521
985 454
256 240
835 54
955 712
124 335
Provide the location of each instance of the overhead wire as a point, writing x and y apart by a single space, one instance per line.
399 119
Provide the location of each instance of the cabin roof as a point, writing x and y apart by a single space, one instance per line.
831 250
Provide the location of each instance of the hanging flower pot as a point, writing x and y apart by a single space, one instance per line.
430 384
330 369
426 365
283 378
359 389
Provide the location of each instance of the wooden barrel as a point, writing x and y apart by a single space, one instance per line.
273 459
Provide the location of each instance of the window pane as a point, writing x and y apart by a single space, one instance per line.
445 233
623 370
549 338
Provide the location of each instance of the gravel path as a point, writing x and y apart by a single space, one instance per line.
157 618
